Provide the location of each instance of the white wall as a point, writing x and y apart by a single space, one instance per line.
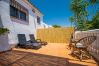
44 26
4 12
14 27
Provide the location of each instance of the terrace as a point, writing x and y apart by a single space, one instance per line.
59 41
56 53
53 54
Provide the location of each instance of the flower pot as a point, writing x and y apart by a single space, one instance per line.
4 42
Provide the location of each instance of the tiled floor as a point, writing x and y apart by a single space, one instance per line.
53 54
20 58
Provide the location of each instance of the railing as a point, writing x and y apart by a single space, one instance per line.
94 47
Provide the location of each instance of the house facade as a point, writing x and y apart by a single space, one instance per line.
20 17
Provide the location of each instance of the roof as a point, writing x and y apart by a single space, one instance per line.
32 6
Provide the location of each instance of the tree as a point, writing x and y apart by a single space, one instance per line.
80 14
94 4
56 26
94 1
79 8
95 21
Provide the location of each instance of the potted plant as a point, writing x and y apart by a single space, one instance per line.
3 30
4 42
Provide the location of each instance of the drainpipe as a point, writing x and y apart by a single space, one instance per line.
1 25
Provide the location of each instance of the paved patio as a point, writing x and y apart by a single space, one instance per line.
53 54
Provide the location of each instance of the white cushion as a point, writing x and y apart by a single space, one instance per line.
79 45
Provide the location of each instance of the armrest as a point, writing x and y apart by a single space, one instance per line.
38 40
86 41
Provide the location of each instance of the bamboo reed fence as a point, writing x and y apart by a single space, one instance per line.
55 35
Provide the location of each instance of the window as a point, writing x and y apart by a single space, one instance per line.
33 10
18 11
38 19
22 15
13 12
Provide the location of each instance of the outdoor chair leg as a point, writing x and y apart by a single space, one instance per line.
69 46
89 55
81 55
73 49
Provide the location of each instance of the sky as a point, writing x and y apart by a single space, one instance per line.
55 11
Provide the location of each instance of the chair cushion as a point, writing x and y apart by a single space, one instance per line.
36 44
80 45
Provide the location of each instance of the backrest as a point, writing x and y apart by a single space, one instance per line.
21 39
32 38
86 41
72 39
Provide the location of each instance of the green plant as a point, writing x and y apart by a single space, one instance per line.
80 13
56 26
94 22
3 30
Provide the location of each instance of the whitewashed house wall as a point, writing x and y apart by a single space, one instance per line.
15 27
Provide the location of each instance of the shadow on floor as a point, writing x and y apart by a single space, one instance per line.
77 59
20 58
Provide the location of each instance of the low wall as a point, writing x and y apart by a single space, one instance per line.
4 43
94 48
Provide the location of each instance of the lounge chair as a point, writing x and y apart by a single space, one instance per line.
32 39
80 48
26 44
